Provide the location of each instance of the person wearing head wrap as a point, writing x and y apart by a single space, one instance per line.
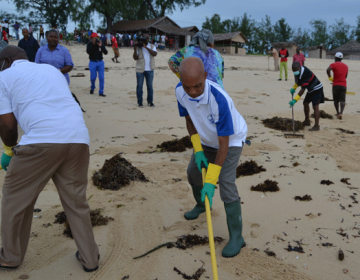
202 46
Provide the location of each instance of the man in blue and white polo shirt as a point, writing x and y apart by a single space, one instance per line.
218 133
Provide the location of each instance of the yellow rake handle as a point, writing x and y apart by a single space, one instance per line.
350 92
210 231
0 167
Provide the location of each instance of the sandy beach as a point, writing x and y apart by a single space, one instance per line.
152 212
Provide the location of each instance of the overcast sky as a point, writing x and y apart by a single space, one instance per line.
296 13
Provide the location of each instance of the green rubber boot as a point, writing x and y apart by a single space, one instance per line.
199 207
234 222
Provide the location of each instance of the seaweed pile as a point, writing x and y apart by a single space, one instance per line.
267 186
117 172
96 220
270 253
324 115
282 124
303 198
326 182
345 181
298 248
176 145
195 276
184 242
188 241
248 168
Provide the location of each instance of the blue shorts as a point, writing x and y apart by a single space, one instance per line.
316 97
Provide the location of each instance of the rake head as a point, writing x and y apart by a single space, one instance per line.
294 136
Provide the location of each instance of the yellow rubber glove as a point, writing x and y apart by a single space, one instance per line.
6 157
195 140
177 75
331 79
212 176
295 86
199 154
8 150
297 97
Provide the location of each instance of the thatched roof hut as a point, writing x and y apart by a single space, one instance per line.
350 50
290 46
317 52
191 29
161 26
224 42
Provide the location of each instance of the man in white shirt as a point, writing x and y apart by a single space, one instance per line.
218 133
55 145
144 54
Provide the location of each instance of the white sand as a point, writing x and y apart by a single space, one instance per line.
153 212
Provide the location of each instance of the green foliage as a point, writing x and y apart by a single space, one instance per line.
357 30
301 38
341 33
319 35
282 31
214 24
21 19
54 12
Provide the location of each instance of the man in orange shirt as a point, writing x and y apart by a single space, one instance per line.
340 71
284 54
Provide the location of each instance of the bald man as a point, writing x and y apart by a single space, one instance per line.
218 133
29 44
315 93
55 145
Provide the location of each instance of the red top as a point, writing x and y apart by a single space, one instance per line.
340 71
283 55
300 58
114 41
4 35
170 41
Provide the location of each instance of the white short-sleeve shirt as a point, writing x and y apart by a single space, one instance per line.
147 56
39 97
213 114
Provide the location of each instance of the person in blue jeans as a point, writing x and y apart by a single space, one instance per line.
96 49
144 54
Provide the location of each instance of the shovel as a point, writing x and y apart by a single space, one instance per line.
293 135
210 231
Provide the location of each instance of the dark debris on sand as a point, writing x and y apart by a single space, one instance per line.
303 198
298 248
188 241
176 145
117 172
267 186
346 131
326 182
324 115
195 276
282 124
270 253
96 220
248 168
345 181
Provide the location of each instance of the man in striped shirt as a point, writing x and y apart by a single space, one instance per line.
315 94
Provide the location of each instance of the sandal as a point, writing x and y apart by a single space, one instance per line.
307 123
85 269
8 267
315 128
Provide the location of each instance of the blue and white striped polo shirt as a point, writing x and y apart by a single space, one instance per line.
213 114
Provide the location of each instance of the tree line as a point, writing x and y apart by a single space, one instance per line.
261 34
82 12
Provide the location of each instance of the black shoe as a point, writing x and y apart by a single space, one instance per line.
285 79
102 95
91 91
151 104
85 269
140 105
279 80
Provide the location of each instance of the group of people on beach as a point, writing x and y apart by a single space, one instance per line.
307 80
55 133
